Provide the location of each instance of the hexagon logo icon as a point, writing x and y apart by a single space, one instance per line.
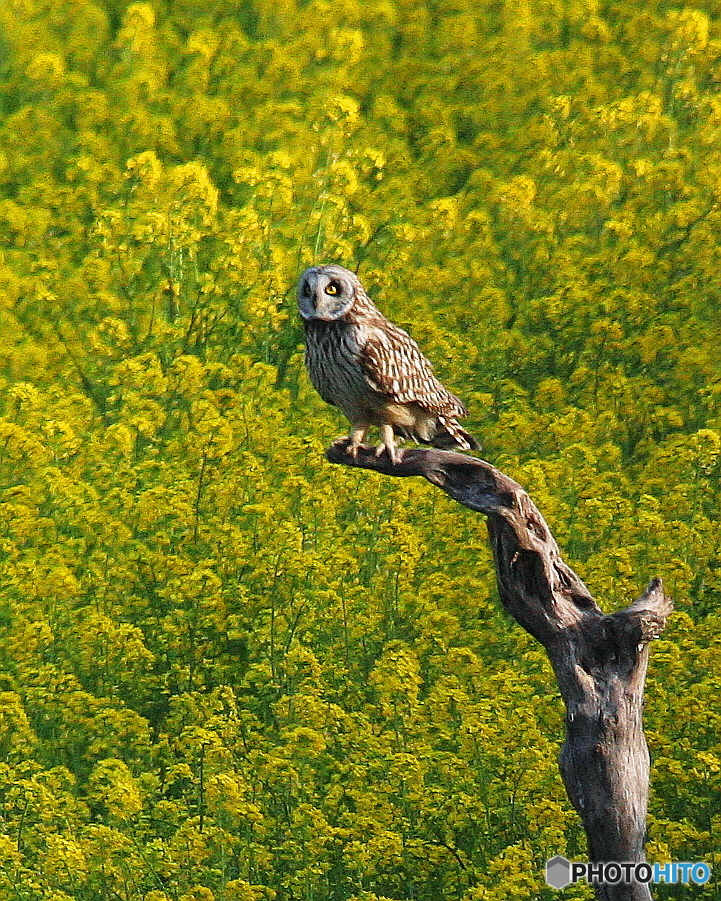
558 872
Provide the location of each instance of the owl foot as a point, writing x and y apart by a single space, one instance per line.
388 444
358 433
392 452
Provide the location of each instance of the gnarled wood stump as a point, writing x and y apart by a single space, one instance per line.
599 661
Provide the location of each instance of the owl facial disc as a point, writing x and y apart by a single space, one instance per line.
326 292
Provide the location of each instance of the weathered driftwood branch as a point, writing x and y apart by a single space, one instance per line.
599 661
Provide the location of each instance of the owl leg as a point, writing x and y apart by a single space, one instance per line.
388 443
357 433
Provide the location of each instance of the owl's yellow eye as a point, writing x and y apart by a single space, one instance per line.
332 289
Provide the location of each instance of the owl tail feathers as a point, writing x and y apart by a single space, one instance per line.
450 434
446 433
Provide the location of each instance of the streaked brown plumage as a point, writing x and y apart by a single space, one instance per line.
371 369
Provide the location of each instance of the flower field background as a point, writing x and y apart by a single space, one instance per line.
228 670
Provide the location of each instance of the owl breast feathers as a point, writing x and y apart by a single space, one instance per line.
371 369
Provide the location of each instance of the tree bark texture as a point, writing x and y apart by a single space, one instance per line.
599 660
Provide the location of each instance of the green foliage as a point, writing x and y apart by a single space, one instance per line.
228 671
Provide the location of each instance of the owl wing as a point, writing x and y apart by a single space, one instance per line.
394 366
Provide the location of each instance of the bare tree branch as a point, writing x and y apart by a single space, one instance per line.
599 661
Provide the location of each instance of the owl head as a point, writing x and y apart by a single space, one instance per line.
327 292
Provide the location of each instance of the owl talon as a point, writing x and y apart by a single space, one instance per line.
388 443
358 433
392 453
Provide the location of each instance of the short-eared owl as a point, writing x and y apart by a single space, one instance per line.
371 369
